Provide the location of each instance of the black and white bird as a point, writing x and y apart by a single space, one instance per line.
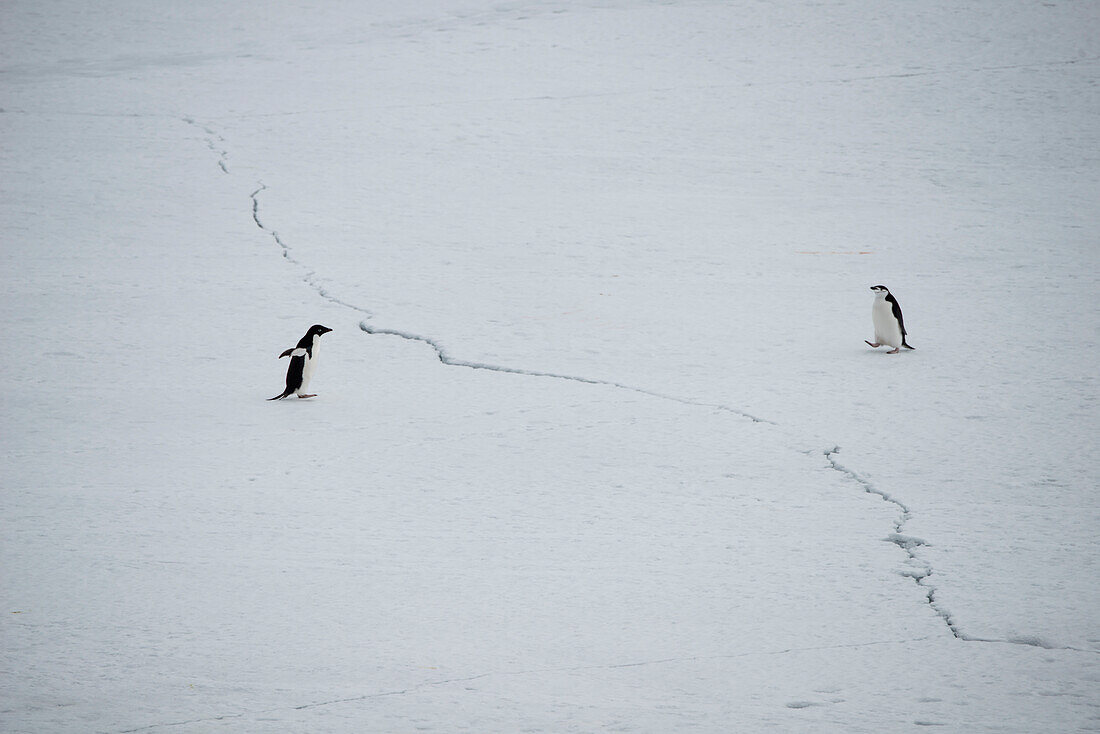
303 359
886 316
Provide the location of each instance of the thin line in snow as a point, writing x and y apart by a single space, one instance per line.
922 570
446 359
908 544
671 89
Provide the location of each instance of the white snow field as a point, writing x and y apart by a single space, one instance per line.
597 445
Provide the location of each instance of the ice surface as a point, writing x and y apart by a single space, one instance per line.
597 445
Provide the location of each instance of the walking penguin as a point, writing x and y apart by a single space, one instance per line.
886 316
302 361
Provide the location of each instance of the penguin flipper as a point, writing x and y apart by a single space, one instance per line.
896 310
288 390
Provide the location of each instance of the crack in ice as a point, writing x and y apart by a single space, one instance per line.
638 91
532 671
310 277
920 570
445 358
188 722
214 142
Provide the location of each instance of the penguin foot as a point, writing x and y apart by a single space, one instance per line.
870 344
895 350
315 395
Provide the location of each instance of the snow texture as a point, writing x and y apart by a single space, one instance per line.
597 445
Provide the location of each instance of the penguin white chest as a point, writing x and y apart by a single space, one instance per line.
887 330
309 365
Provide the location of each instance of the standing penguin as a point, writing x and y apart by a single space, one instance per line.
302 359
886 316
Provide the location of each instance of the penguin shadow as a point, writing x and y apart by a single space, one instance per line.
882 351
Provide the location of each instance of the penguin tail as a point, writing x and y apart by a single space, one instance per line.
280 397
906 345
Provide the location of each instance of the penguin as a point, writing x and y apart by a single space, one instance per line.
302 358
886 316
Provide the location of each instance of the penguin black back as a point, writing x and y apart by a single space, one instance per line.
293 373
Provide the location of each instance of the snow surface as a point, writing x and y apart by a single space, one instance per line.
598 445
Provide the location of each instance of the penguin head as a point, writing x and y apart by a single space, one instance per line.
317 330
880 290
